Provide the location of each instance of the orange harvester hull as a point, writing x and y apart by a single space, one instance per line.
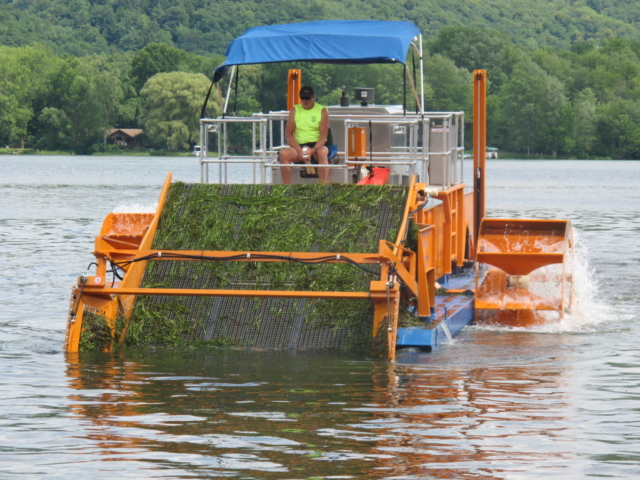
516 261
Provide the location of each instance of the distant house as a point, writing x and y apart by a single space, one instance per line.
125 136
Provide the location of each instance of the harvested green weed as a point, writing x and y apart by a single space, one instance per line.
407 319
96 334
332 218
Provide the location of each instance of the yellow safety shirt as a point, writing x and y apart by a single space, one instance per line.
308 123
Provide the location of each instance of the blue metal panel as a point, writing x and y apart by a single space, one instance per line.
415 337
454 311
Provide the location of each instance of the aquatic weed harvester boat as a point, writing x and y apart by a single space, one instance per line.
408 263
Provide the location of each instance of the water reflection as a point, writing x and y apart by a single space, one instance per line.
230 413
495 404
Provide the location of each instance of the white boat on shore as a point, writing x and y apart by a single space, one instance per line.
492 152
197 151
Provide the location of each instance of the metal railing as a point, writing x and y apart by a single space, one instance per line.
434 146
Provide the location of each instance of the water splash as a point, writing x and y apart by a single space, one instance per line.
447 332
589 313
136 208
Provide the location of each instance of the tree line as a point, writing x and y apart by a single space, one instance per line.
581 102
85 27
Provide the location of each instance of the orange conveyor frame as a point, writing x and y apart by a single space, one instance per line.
441 242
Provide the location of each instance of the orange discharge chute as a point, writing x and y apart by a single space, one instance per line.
524 272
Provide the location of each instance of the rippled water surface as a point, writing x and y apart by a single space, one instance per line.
556 402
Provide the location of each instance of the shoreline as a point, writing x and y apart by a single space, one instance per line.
164 153
133 153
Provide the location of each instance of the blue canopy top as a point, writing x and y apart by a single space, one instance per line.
326 41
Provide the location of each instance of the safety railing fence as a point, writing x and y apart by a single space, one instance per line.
432 146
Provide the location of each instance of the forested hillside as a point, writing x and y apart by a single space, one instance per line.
564 76
207 26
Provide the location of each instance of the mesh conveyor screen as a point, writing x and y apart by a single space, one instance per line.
265 218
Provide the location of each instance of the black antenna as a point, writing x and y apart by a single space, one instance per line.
371 145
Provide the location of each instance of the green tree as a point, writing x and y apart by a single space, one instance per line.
477 49
22 78
451 87
612 71
89 92
534 110
584 123
110 89
154 58
171 106
138 30
618 129
55 130
557 64
85 110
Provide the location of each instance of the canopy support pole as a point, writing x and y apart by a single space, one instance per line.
413 89
421 75
220 99
226 102
418 49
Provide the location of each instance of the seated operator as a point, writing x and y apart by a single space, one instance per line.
307 126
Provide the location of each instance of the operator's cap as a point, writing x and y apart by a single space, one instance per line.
307 92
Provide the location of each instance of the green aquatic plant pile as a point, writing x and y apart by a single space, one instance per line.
408 319
266 218
96 333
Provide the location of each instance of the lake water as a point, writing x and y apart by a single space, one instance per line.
556 402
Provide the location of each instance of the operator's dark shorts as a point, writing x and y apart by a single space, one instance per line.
313 159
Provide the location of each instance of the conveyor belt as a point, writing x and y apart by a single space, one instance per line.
304 218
